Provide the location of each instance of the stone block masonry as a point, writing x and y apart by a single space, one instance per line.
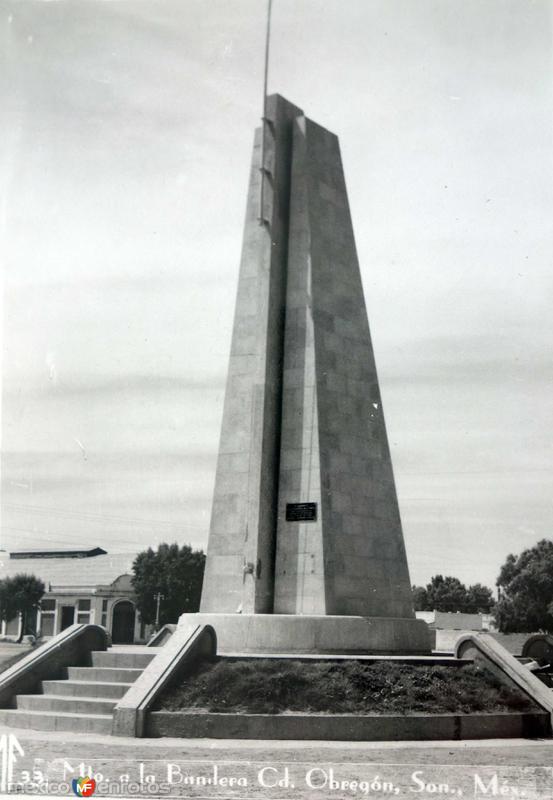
240 565
305 517
334 448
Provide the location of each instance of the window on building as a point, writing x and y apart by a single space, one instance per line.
104 622
47 616
12 626
47 624
83 611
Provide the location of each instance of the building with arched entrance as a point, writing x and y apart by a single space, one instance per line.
123 622
82 586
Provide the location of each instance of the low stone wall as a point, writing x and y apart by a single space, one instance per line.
447 638
513 642
162 636
448 621
347 727
539 647
484 648
70 648
184 649
291 633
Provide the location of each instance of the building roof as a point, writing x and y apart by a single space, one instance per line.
59 552
101 570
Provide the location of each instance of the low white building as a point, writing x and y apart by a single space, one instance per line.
88 585
456 620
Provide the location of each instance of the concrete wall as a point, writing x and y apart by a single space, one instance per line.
291 633
347 727
512 642
72 647
426 616
185 650
300 585
240 555
301 352
334 445
457 621
484 649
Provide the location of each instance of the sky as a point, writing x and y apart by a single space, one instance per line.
126 140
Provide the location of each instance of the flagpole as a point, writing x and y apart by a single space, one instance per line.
264 117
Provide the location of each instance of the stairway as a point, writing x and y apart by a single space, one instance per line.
85 699
544 671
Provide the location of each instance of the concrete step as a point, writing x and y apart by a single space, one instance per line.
122 658
65 704
85 700
85 688
109 674
56 721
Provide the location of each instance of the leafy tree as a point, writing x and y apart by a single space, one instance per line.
420 599
449 594
479 599
446 594
526 591
20 594
172 571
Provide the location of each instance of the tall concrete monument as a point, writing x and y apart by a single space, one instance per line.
305 548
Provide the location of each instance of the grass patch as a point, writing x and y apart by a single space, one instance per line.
11 660
277 686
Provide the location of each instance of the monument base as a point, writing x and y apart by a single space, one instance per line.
260 634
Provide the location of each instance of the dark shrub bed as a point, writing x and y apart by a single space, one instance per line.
276 686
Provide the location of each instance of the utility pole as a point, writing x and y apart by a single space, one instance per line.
159 597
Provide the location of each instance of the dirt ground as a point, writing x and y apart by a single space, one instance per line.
10 652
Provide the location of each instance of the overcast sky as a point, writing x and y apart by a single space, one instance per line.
126 140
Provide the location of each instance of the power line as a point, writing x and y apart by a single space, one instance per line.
479 472
93 517
53 536
56 539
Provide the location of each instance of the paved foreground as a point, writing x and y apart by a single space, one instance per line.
223 769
